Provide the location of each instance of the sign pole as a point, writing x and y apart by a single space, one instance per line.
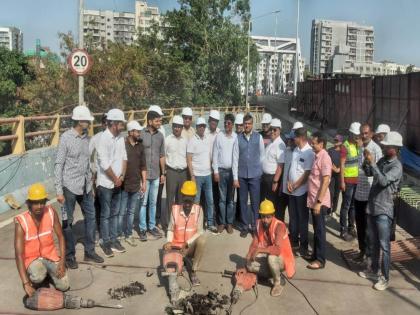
81 78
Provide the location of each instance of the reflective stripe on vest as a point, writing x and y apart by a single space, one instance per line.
184 227
284 244
351 167
39 242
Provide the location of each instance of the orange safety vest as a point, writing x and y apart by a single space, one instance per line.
184 227
285 248
38 242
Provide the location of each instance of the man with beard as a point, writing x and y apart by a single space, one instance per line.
270 252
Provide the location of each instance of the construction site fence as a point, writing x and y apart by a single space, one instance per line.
393 100
26 133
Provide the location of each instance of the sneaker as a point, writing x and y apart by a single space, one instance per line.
229 228
220 228
71 263
107 250
143 236
94 257
360 258
155 232
346 236
368 275
244 233
131 241
382 284
117 247
213 229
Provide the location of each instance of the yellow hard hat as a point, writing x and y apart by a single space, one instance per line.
267 207
189 188
37 191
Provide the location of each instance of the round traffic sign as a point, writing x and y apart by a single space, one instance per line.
79 61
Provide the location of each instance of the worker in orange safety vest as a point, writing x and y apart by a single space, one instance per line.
270 252
185 231
35 252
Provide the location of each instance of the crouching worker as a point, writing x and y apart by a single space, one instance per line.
270 252
185 236
35 252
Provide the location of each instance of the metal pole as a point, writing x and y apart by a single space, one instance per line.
297 49
81 78
247 69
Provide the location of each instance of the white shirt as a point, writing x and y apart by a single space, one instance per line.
273 155
93 151
176 152
111 153
302 160
223 151
212 137
200 150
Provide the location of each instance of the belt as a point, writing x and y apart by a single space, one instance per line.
225 169
176 170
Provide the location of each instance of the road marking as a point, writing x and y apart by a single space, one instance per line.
10 220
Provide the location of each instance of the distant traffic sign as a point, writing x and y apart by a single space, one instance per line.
79 61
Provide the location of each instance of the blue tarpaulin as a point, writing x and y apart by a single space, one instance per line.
410 159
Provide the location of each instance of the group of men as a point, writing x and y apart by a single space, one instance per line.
113 178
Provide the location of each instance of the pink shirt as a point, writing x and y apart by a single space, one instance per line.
321 167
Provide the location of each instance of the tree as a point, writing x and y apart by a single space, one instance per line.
410 68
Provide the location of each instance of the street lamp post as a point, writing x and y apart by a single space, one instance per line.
297 54
247 66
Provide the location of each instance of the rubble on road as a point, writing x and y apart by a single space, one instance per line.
213 303
134 288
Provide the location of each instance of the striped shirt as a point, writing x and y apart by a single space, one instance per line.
72 164
364 182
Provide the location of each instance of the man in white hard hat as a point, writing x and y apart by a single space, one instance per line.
265 126
199 165
112 161
349 173
387 175
134 182
157 109
176 167
239 123
297 125
381 131
73 182
188 131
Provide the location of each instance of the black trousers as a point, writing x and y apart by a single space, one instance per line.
361 224
174 181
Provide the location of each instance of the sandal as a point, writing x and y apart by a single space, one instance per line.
315 265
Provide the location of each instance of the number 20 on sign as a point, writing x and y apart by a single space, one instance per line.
79 61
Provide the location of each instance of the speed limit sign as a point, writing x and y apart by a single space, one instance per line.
79 61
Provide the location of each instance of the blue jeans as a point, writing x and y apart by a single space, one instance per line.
347 208
152 188
226 211
299 219
204 184
380 232
86 204
253 187
110 200
129 203
320 235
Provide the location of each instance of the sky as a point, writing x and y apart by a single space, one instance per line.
396 22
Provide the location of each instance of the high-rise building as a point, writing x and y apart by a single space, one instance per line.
146 15
336 37
276 69
11 38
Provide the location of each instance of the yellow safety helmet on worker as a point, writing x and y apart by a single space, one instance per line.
37 192
189 188
267 207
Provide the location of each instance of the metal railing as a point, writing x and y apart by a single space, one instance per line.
50 127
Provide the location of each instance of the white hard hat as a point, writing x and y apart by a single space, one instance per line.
393 138
383 128
214 114
239 119
134 125
297 125
276 123
355 128
115 114
177 120
156 109
186 111
81 113
266 119
200 121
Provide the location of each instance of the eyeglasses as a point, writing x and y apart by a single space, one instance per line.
274 129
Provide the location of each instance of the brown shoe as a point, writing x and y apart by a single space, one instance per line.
229 228
277 290
220 228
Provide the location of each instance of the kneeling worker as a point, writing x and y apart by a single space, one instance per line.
35 251
270 251
185 232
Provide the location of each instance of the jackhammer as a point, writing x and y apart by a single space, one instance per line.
243 281
173 263
49 299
